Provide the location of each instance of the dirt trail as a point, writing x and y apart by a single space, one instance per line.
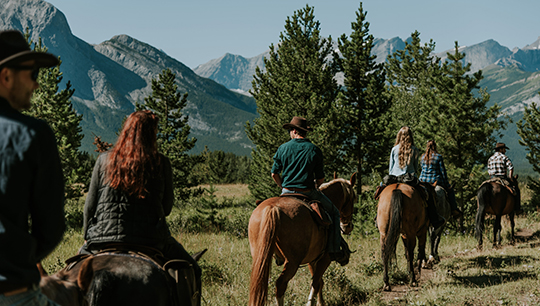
522 236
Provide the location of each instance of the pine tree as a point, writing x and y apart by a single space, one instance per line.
411 73
298 81
463 127
173 131
365 100
529 131
55 107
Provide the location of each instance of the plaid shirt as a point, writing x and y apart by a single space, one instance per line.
498 163
434 171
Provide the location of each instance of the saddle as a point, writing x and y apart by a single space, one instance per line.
503 182
406 178
319 215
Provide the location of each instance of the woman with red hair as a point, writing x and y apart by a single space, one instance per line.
131 193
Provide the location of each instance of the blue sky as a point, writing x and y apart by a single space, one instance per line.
197 31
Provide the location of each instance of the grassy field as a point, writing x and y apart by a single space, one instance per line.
509 275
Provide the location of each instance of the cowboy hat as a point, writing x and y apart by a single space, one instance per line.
14 49
298 123
501 145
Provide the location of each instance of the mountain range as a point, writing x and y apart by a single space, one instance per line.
110 77
511 77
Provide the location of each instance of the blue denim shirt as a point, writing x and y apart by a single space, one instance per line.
31 186
394 168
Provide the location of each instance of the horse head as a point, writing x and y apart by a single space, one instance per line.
343 194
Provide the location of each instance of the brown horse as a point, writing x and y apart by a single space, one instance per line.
119 279
284 227
497 200
402 211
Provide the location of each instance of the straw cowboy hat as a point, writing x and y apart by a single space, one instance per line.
298 123
501 145
14 49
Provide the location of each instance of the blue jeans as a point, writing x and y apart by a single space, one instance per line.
334 232
32 297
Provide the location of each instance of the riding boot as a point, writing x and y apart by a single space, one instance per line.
342 257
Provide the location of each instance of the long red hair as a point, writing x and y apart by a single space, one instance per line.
134 158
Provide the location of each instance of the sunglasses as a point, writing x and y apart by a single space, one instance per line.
33 75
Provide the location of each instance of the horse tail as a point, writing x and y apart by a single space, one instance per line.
262 257
484 197
394 230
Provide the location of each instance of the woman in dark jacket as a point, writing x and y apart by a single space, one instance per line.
131 193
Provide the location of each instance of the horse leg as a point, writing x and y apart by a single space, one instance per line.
317 271
386 261
421 251
512 225
289 270
409 245
497 231
433 249
436 247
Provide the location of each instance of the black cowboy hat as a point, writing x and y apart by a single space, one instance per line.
14 49
501 145
298 123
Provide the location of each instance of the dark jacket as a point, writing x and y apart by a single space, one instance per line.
31 186
111 215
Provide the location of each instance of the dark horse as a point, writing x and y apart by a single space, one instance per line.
495 199
284 226
443 209
402 211
117 279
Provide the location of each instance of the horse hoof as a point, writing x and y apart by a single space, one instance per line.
387 288
414 284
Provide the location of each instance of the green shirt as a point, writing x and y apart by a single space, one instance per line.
300 163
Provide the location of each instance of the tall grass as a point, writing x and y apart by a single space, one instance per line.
465 276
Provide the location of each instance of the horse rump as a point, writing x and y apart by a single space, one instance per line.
124 280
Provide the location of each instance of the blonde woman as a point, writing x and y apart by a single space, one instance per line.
404 155
404 165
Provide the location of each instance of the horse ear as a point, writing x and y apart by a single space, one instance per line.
335 175
353 179
86 273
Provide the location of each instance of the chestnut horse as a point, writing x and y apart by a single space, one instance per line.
402 211
284 227
495 199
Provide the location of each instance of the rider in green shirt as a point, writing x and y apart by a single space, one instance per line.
298 168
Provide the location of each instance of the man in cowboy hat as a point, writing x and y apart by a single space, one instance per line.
298 168
31 186
498 165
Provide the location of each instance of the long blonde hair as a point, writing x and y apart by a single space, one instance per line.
406 143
